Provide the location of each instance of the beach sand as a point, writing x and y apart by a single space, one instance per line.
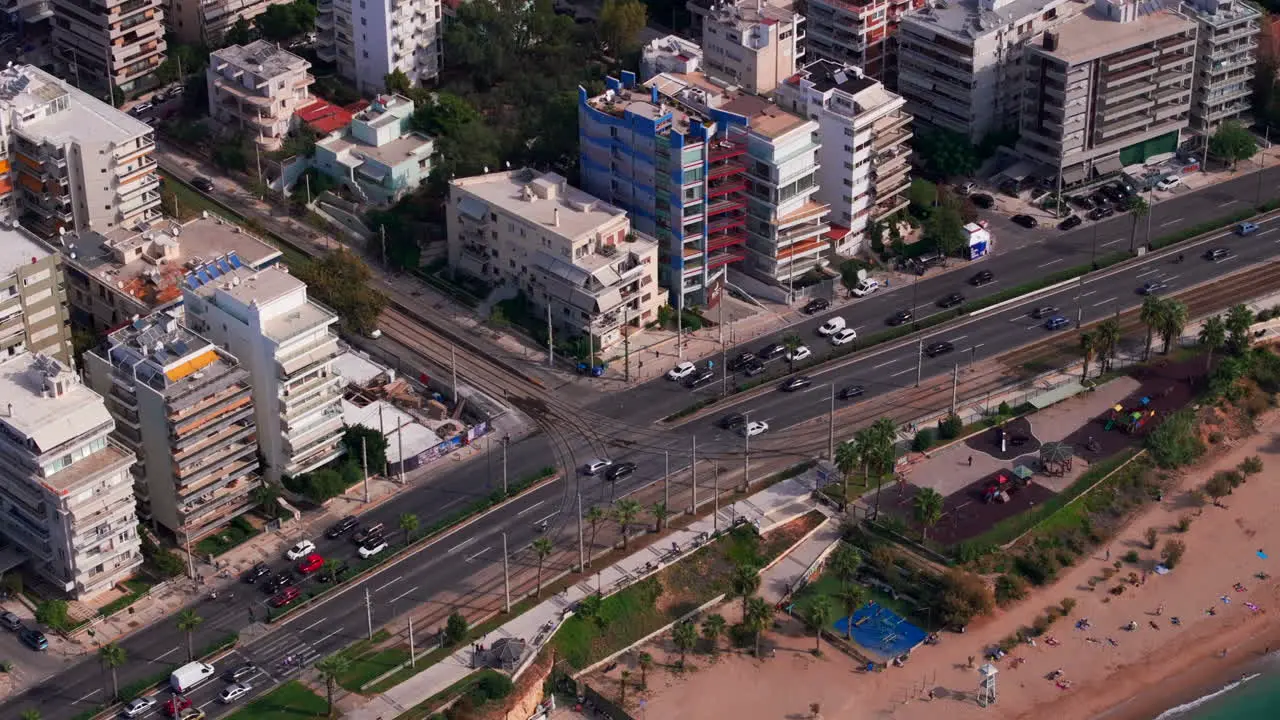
1146 672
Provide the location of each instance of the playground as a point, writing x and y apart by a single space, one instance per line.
972 509
1162 389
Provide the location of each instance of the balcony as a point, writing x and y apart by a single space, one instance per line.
1119 110
889 206
1116 79
1128 58
1115 97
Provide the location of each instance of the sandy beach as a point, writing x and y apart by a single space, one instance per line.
1113 673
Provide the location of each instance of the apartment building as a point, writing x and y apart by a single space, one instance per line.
959 62
378 157
857 32
132 272
1226 52
286 341
184 407
72 162
27 15
669 54
33 298
370 39
864 159
116 43
574 257
256 89
1110 87
207 21
66 497
751 44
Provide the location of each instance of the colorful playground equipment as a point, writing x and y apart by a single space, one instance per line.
1131 420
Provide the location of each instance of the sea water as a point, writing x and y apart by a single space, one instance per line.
1253 697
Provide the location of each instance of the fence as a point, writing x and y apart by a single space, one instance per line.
601 705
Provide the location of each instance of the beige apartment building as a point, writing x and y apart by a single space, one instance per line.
1108 88
33 298
120 42
1226 52
751 44
207 21
564 249
857 32
256 89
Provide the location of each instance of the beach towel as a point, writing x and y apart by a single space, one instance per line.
1262 555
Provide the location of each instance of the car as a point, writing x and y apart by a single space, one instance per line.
942 347
33 639
342 527
1057 322
754 428
705 376
302 549
140 108
191 713
10 621
815 305
138 706
364 534
203 184
1101 212
256 573
732 421
1100 199
900 317
1152 287
966 188
1168 183
799 353
682 371
865 287
951 300
981 278
240 672
753 368
1246 228
278 582
770 352
596 466
983 200
1011 187
851 391
1118 190
1218 254
844 337
1025 221
1072 221
177 705
285 596
1081 201
310 563
742 360
233 692
371 549
1044 311
620 471
1113 193
796 383
831 326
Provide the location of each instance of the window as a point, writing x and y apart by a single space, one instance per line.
364 22
366 54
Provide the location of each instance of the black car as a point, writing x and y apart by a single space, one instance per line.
1081 202
939 348
981 278
278 582
1218 254
850 392
33 639
732 421
1070 222
899 317
240 672
1100 199
342 527
753 368
816 305
769 352
618 471
1025 221
741 361
1114 193
202 184
1100 212
951 300
256 573
365 533
702 377
1011 187
983 200
1044 311
796 383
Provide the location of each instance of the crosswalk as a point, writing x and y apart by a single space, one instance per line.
282 654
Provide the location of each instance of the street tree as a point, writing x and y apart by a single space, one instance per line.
644 661
844 563
1088 345
594 516
744 581
1233 142
851 597
846 460
331 668
712 628
817 615
792 343
660 513
1150 314
625 512
685 637
623 677
331 569
112 657
342 281
1138 208
1213 336
756 619
188 621
945 229
1239 318
1173 320
928 509
1108 337
620 24
542 548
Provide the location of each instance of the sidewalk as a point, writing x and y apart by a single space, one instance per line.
777 581
768 508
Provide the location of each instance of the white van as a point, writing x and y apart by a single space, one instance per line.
189 676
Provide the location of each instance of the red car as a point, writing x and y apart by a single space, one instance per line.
310 564
176 704
285 596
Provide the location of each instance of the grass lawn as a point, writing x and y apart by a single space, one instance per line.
291 701
136 586
827 584
480 686
190 201
231 536
370 665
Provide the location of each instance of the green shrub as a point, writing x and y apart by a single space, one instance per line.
923 440
1184 523
1009 589
53 615
1131 557
1004 409
455 628
949 427
1068 604
1173 552
1176 441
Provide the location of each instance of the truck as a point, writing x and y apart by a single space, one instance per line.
189 676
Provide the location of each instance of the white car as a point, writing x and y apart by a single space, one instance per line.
138 707
846 335
755 427
301 550
371 549
1169 183
595 467
799 353
831 326
233 692
681 371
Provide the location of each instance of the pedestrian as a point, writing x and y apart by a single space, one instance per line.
970 461
1160 610
1108 554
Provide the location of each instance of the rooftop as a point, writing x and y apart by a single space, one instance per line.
827 75
353 153
746 14
31 413
696 91
326 118
1092 36
543 199
166 355
19 247
46 107
260 288
261 58
967 20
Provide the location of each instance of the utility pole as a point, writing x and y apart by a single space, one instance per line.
715 478
666 479
724 365
680 321
505 439
382 231
693 474
453 371
506 576
413 661
919 360
551 345
307 177
400 444
364 460
746 453
831 426
582 553
626 342
368 611
191 566
955 386
1262 161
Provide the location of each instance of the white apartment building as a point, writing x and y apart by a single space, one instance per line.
864 161
1225 56
369 39
256 89
857 32
33 299
70 161
66 496
207 21
286 341
751 44
564 249
120 42
378 157
184 407
670 54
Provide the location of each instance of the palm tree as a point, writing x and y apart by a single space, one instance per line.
331 569
864 444
625 511
685 636
593 516
792 343
1088 344
188 621
817 615
112 657
542 547
883 453
1172 322
331 668
1151 313
266 495
846 460
31 714
756 618
1213 335
928 507
851 597
645 661
1139 208
1108 337
844 563
660 513
712 628
743 583
622 687
1239 318
409 524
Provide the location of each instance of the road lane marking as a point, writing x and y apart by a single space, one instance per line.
1113 242
1171 222
542 520
1104 302
957 339
1152 270
406 592
389 583
529 509
1171 278
326 637
323 619
478 554
1085 295
86 697
462 544
1229 202
883 364
1055 260
161 657
902 372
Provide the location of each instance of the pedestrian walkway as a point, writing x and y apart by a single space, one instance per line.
766 510
777 581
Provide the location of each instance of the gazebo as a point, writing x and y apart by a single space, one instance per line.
1056 458
506 653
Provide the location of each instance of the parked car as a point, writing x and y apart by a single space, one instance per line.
982 200
285 596
233 692
310 563
10 621
815 305
369 550
1100 199
951 300
796 383
941 347
1070 222
278 582
1057 322
138 707
1025 221
342 527
364 534
140 108
801 353
1100 212
1044 311
851 391
831 326
1011 187
256 573
732 421
844 337
300 550
620 471
769 352
1081 201
742 360
755 427
1169 183
704 376
240 672
33 639
682 371
753 368
900 317
203 184
982 278
1246 228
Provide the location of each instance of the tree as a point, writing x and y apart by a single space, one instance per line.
1176 441
625 511
620 23
844 563
31 714
331 569
1088 344
846 460
1232 143
1152 308
409 524
928 509
875 235
332 668
660 513
112 657
1173 552
1138 209
279 23
267 497
792 343
594 515
397 82
241 33
361 443
1251 465
455 628
1107 336
964 597
1213 336
923 195
817 615
1173 320
756 618
1239 319
744 581
343 282
945 229
188 621
1217 488
685 636
644 661
851 598
945 153
53 614
883 453
623 677
712 628
542 547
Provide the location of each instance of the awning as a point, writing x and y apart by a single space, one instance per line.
1058 394
1108 166
1073 174
1019 170
473 208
